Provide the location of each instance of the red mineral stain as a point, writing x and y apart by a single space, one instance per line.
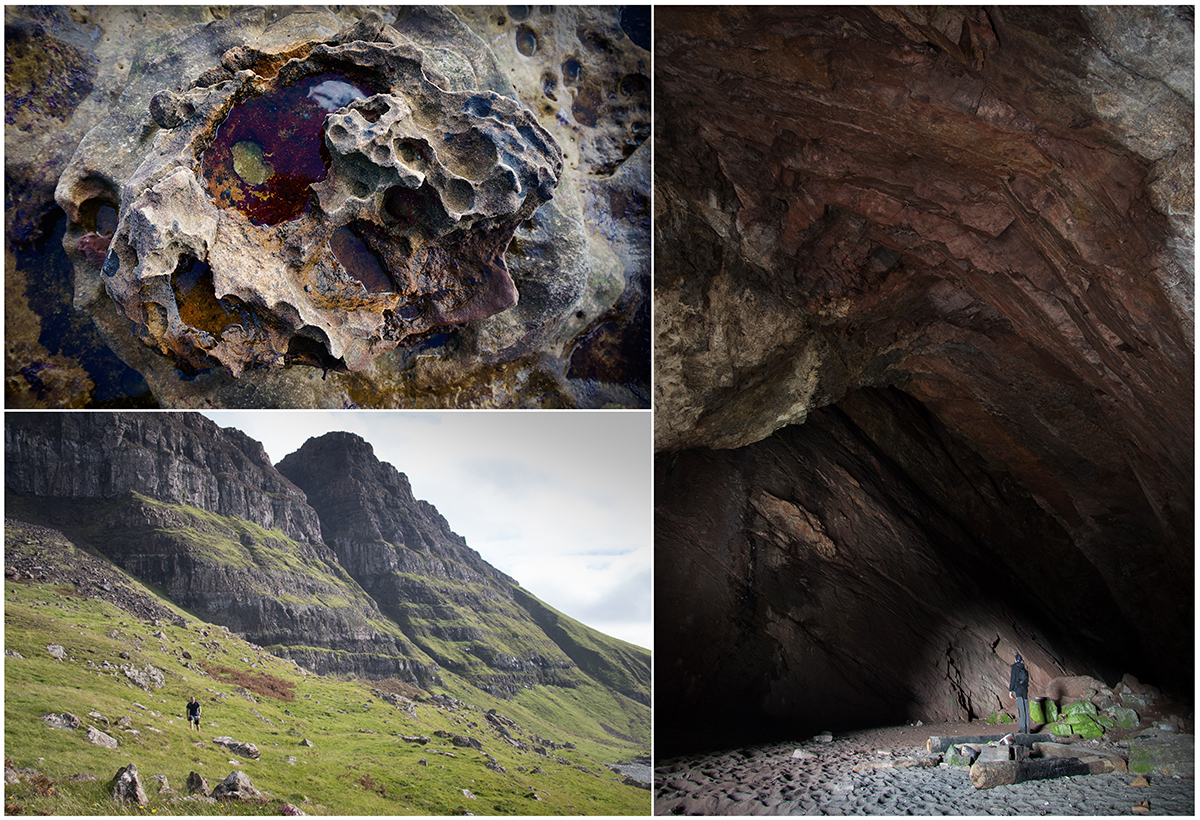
276 142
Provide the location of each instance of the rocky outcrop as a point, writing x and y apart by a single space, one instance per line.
180 458
199 512
955 246
404 554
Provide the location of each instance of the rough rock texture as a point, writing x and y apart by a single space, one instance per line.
428 176
966 234
406 238
236 786
127 786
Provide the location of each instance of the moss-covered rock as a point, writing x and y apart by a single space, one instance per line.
1081 707
1036 713
1126 718
1107 721
999 717
1051 709
1061 730
1088 728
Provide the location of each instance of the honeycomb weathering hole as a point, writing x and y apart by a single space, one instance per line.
271 148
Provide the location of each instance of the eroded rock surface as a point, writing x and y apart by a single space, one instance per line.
411 293
969 231
220 256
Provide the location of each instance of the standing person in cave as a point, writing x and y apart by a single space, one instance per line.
1018 687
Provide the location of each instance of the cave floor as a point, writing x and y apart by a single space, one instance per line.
856 773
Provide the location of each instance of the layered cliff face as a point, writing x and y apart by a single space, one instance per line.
969 231
456 607
199 512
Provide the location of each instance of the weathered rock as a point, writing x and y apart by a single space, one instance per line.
236 786
238 747
127 786
418 739
62 720
197 784
427 180
149 677
94 735
57 652
306 742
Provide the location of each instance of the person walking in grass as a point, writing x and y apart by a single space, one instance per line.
193 712
1018 687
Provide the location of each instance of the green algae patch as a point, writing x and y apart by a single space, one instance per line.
248 163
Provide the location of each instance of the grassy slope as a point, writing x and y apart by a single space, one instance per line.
348 771
357 764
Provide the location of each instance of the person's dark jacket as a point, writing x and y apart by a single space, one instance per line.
1018 683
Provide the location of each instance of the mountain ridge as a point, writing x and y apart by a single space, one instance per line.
328 560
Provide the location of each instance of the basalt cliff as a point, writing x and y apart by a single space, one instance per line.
328 560
924 357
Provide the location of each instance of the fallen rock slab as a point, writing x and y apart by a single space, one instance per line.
238 747
989 774
61 720
1080 752
941 744
94 735
196 784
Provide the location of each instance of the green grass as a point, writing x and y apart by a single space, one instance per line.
357 764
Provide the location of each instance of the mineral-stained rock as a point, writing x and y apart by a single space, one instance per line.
236 786
220 256
127 786
955 242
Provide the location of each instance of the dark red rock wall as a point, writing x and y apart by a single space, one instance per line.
988 213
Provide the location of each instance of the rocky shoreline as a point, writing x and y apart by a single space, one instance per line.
889 772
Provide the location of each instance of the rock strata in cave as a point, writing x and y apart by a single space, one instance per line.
924 356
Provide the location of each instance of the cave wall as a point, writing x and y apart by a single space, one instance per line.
968 223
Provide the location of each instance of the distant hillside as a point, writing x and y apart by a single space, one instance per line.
328 561
337 745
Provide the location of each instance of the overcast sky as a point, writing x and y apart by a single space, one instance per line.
560 501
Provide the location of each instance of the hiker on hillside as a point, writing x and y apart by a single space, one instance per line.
193 712
1018 687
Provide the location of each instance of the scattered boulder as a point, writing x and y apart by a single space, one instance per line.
12 653
94 735
418 739
801 754
61 720
99 718
236 786
289 810
306 742
238 747
196 784
148 677
161 780
125 722
127 786
56 651
824 737
467 794
12 778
